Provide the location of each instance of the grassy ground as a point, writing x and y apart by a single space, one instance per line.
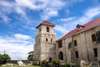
14 65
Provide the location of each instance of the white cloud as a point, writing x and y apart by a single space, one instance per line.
71 22
49 9
5 18
17 49
26 3
67 19
92 12
22 37
20 11
60 29
49 13
88 15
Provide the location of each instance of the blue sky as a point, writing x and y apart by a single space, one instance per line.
18 19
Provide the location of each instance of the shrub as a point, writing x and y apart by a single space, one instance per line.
55 61
4 58
67 65
44 62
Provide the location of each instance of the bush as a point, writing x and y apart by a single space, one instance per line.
30 57
4 58
77 65
44 62
67 65
70 65
56 62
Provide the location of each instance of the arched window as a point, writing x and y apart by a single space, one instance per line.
75 43
50 59
47 29
60 55
60 44
46 40
70 45
76 54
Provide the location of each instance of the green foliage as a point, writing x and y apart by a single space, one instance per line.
77 65
70 65
55 61
67 65
30 57
4 58
44 62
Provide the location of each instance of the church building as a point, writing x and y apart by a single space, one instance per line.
82 43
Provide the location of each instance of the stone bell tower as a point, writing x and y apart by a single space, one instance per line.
45 41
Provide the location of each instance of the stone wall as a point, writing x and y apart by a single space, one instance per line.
84 46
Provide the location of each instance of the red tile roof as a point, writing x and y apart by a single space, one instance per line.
46 23
86 27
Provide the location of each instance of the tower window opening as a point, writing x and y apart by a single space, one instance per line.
75 43
95 52
60 44
93 37
60 55
46 40
51 40
47 29
76 53
98 36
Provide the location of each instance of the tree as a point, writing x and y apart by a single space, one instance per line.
30 56
4 58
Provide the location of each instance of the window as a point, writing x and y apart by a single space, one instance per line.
50 59
98 36
60 55
46 40
70 45
47 29
76 54
93 37
75 43
95 52
60 44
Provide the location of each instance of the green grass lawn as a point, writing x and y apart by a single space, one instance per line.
14 65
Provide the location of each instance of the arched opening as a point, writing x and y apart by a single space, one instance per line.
60 55
70 45
46 40
47 29
50 59
60 44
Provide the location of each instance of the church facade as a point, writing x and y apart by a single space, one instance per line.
82 43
